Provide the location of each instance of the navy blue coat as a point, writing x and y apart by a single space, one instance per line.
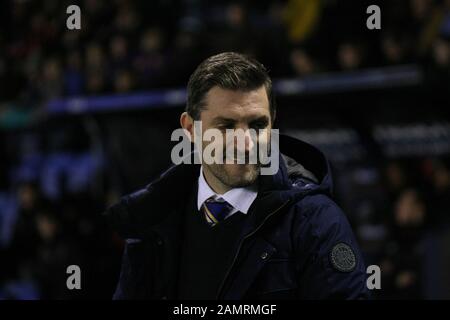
295 244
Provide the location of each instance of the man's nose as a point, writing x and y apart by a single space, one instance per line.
248 142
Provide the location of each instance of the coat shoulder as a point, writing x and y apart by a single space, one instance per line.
319 216
318 207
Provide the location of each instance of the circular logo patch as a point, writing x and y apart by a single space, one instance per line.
343 258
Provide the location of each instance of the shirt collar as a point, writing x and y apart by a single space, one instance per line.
240 198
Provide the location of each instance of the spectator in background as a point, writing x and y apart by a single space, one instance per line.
123 81
440 195
441 53
186 48
43 30
273 40
428 18
445 25
395 178
302 63
349 56
395 48
22 249
73 75
441 63
95 62
233 31
127 20
437 67
420 13
401 262
119 54
302 18
54 253
51 84
118 69
71 41
150 62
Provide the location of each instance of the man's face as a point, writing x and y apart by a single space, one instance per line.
228 109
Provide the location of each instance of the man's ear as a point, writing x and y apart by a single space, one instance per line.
187 123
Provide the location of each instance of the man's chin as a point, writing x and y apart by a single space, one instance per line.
241 175
233 169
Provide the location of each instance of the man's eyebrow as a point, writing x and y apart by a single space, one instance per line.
260 118
223 120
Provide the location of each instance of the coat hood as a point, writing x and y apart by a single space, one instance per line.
302 168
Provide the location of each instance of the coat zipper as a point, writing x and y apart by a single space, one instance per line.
242 241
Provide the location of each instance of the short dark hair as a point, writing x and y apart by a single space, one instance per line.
228 70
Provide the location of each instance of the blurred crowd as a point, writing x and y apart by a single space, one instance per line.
138 45
56 180
47 237
400 212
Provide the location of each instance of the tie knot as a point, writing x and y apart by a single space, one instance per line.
216 210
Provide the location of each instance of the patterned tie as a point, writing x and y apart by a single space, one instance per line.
216 210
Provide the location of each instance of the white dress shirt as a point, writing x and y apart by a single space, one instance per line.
240 198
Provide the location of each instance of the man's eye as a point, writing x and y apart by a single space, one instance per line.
225 126
259 125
